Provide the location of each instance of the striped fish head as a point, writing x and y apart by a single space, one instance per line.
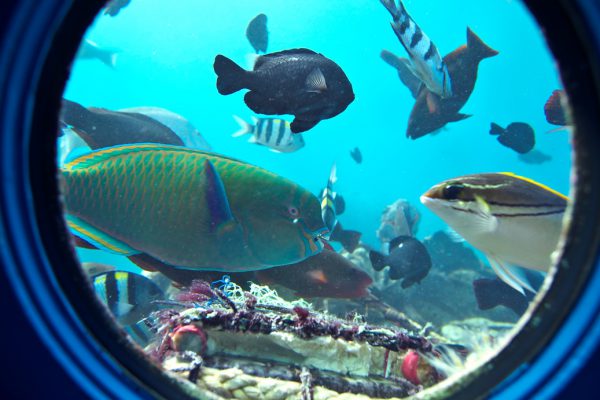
286 227
466 201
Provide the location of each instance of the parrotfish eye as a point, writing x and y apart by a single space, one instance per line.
293 211
452 191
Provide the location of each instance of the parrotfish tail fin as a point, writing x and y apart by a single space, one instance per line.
231 77
477 47
96 238
512 276
245 127
377 260
496 129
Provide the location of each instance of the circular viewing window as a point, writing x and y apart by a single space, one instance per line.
313 199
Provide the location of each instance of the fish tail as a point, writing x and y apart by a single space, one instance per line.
231 77
391 59
108 58
477 47
377 260
496 129
245 127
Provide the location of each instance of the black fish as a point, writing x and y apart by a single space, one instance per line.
257 33
356 155
518 136
491 293
348 238
408 260
101 128
299 82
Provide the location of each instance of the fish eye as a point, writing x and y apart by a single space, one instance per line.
83 306
452 191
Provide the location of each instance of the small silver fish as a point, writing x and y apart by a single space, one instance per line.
273 133
513 220
426 63
328 211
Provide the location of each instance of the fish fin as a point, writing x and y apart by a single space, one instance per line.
108 58
315 81
485 220
97 238
458 117
405 72
377 260
558 129
275 151
333 176
230 76
97 156
253 139
254 120
245 127
221 218
485 293
318 276
496 129
512 276
300 125
432 102
397 241
454 236
477 47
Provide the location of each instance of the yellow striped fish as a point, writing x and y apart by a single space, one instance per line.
513 220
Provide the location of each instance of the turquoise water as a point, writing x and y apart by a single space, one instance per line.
166 52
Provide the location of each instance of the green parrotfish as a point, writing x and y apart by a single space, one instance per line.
179 208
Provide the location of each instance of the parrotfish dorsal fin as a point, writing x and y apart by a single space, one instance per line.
97 156
97 238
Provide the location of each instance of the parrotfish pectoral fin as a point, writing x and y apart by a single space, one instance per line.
97 238
216 198
315 81
510 275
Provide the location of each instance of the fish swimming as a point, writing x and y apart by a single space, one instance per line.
356 155
491 293
412 82
554 108
408 260
426 63
273 133
328 212
398 219
100 127
535 157
169 207
127 295
349 239
89 50
327 274
462 64
518 136
257 33
513 220
113 7
300 82
338 200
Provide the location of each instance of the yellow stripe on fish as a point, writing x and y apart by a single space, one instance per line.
514 220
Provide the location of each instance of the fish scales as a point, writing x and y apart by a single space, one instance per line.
153 198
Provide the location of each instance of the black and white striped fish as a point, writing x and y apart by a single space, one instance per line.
426 63
273 133
128 296
328 211
513 220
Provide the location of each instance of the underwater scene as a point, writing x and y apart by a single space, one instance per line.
315 199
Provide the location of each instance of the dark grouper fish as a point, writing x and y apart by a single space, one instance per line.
463 64
300 82
169 208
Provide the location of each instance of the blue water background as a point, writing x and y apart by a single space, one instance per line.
167 49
